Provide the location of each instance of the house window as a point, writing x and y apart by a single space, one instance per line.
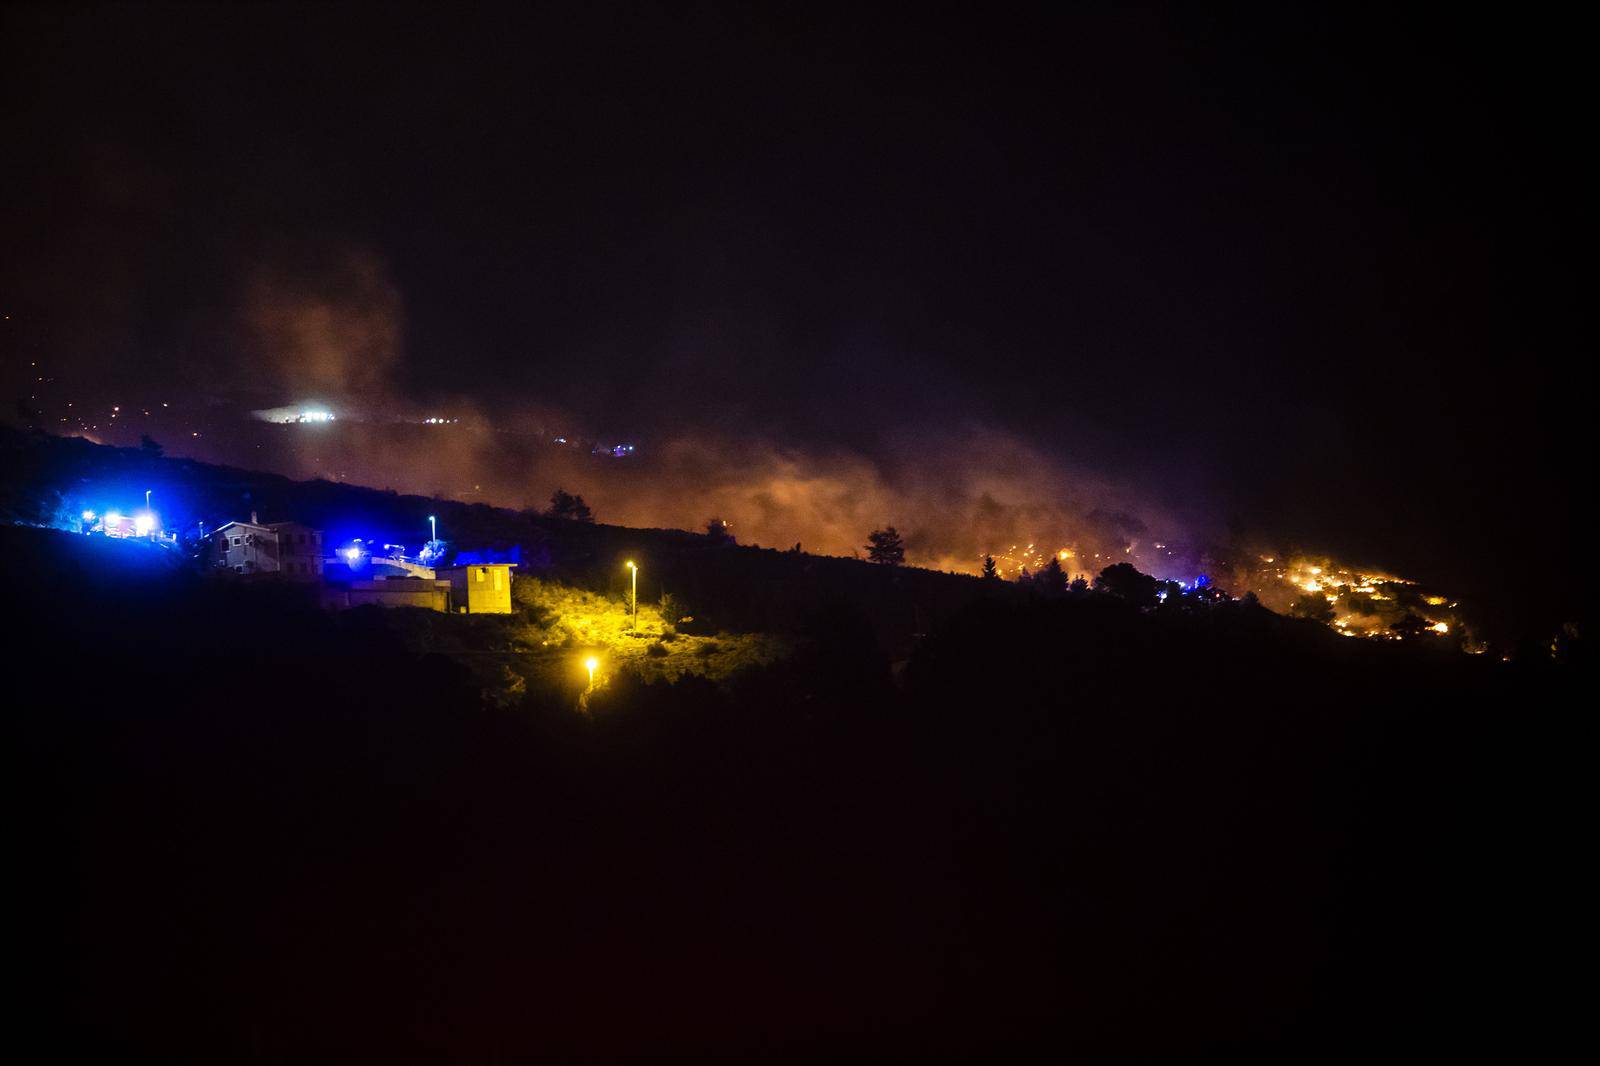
497 580
480 573
237 541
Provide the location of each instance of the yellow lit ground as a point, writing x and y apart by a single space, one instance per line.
559 626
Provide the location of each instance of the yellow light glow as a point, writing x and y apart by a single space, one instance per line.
591 664
1441 627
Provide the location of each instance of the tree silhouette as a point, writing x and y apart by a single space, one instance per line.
990 572
564 504
885 547
1313 605
1411 625
150 446
1051 579
719 532
1127 582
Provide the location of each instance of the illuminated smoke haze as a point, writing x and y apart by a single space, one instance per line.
333 326
326 330
823 283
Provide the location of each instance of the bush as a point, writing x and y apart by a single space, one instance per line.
671 608
1314 606
656 651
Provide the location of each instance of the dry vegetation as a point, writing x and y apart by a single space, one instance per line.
557 626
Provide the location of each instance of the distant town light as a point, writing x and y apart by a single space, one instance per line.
143 523
88 516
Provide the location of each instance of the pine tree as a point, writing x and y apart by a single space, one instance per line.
885 547
565 505
1051 579
990 571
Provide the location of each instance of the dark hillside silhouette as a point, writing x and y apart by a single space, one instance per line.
1073 828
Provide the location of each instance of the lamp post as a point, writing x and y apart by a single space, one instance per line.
634 570
590 663
433 528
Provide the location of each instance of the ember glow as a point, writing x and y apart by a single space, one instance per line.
1364 602
1361 602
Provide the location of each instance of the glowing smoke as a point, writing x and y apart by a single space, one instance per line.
328 325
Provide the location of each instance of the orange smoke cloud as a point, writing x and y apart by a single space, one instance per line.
330 324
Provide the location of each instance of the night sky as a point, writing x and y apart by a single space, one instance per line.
1287 274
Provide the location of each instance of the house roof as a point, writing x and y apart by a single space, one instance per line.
274 526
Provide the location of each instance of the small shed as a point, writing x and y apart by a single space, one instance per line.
479 588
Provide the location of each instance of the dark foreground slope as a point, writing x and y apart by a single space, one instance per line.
250 831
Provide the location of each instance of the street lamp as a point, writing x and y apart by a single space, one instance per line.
635 571
433 527
590 664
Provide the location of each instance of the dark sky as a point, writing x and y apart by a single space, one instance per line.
1300 264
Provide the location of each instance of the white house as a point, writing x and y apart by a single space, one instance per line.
288 549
